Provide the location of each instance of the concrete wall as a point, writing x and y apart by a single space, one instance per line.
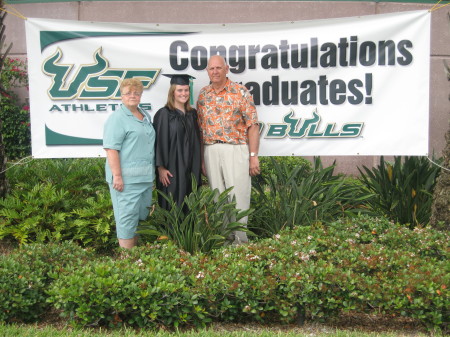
257 11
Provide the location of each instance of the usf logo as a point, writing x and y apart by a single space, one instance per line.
311 128
91 81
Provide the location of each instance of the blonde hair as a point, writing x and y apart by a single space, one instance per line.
132 83
171 99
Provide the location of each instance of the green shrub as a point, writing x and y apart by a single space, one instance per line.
289 197
267 165
46 214
81 177
15 117
200 224
52 258
38 215
15 129
420 292
402 191
21 292
58 199
26 274
140 290
397 271
320 271
233 285
92 224
365 265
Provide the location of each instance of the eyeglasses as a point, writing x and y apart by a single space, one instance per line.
135 93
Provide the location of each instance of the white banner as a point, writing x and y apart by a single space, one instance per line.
347 86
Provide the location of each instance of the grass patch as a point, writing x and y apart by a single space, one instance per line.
228 330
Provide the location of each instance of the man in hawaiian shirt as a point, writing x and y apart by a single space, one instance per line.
230 135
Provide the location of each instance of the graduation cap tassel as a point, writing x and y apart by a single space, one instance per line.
191 92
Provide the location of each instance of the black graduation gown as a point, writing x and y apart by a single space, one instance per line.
178 150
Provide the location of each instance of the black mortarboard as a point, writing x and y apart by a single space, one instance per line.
180 79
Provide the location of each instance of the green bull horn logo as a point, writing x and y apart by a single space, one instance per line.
92 81
311 128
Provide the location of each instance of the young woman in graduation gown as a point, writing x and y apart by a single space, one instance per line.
177 143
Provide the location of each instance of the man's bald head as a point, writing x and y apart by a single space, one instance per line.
217 71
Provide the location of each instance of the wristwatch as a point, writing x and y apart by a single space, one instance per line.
253 154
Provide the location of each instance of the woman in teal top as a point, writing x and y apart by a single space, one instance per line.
129 139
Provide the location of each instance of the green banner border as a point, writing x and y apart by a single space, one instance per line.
53 138
50 37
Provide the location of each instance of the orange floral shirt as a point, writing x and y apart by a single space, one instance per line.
227 115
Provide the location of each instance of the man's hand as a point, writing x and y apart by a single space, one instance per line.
253 146
203 168
254 166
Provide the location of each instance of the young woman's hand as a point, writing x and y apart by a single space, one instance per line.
164 176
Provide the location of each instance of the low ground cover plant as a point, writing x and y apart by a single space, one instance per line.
144 289
26 274
308 272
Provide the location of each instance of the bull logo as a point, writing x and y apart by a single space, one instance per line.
91 81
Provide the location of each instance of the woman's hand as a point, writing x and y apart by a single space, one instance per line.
164 176
114 164
118 183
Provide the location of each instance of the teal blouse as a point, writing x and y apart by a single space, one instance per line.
135 141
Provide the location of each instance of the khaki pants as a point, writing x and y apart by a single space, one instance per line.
228 166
